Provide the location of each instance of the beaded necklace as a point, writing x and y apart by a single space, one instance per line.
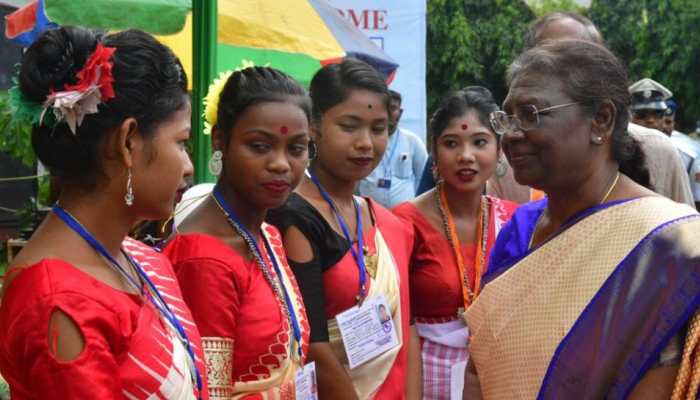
277 285
471 277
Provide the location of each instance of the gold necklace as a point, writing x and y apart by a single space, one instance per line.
605 198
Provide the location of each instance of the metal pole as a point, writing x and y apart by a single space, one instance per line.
204 37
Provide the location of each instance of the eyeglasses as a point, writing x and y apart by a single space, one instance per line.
525 118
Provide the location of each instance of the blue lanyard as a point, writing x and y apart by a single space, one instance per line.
359 258
386 162
161 305
234 220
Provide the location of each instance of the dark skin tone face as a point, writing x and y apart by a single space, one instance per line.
557 152
266 153
652 119
669 123
264 157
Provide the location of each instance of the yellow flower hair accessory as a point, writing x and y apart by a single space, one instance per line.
211 101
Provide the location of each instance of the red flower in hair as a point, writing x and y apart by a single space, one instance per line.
97 71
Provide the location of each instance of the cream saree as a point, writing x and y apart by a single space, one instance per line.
587 313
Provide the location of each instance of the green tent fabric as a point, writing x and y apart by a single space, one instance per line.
299 66
155 16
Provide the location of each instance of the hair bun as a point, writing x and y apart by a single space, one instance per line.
54 59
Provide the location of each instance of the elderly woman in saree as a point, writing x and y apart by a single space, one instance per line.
592 291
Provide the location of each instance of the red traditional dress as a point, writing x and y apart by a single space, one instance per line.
330 284
130 351
249 345
436 294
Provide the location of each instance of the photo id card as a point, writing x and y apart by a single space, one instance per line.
305 382
367 331
384 183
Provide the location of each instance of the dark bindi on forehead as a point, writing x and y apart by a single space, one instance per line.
369 106
465 127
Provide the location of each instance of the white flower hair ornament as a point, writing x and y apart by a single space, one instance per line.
94 86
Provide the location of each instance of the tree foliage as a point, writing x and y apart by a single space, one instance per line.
660 40
15 136
543 7
472 42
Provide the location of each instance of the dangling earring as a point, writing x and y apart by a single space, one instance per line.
501 168
597 140
313 150
215 164
129 196
435 172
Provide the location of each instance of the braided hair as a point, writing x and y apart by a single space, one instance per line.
254 85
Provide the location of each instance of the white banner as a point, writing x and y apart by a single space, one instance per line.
398 27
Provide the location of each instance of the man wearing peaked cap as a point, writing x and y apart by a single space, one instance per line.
688 148
649 103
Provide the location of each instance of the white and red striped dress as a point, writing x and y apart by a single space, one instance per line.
130 351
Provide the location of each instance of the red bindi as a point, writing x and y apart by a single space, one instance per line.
284 130
465 127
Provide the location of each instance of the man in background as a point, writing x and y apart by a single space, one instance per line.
395 179
687 146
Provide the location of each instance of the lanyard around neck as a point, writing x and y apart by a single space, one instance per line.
356 254
155 296
253 245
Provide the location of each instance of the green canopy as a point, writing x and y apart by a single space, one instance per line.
154 16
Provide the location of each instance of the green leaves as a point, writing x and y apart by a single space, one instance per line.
15 133
658 40
472 43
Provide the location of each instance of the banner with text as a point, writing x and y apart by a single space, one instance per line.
398 27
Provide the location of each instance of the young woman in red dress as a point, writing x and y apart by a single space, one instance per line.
88 313
455 227
345 249
230 264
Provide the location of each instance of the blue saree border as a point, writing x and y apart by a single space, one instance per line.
521 239
633 367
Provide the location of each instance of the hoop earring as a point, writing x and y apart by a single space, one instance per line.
129 196
501 168
215 163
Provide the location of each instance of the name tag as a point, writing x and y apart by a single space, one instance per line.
367 331
384 183
305 382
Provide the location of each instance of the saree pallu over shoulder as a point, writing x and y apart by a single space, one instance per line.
276 382
370 376
586 314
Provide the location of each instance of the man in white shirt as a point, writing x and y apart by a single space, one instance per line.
687 146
